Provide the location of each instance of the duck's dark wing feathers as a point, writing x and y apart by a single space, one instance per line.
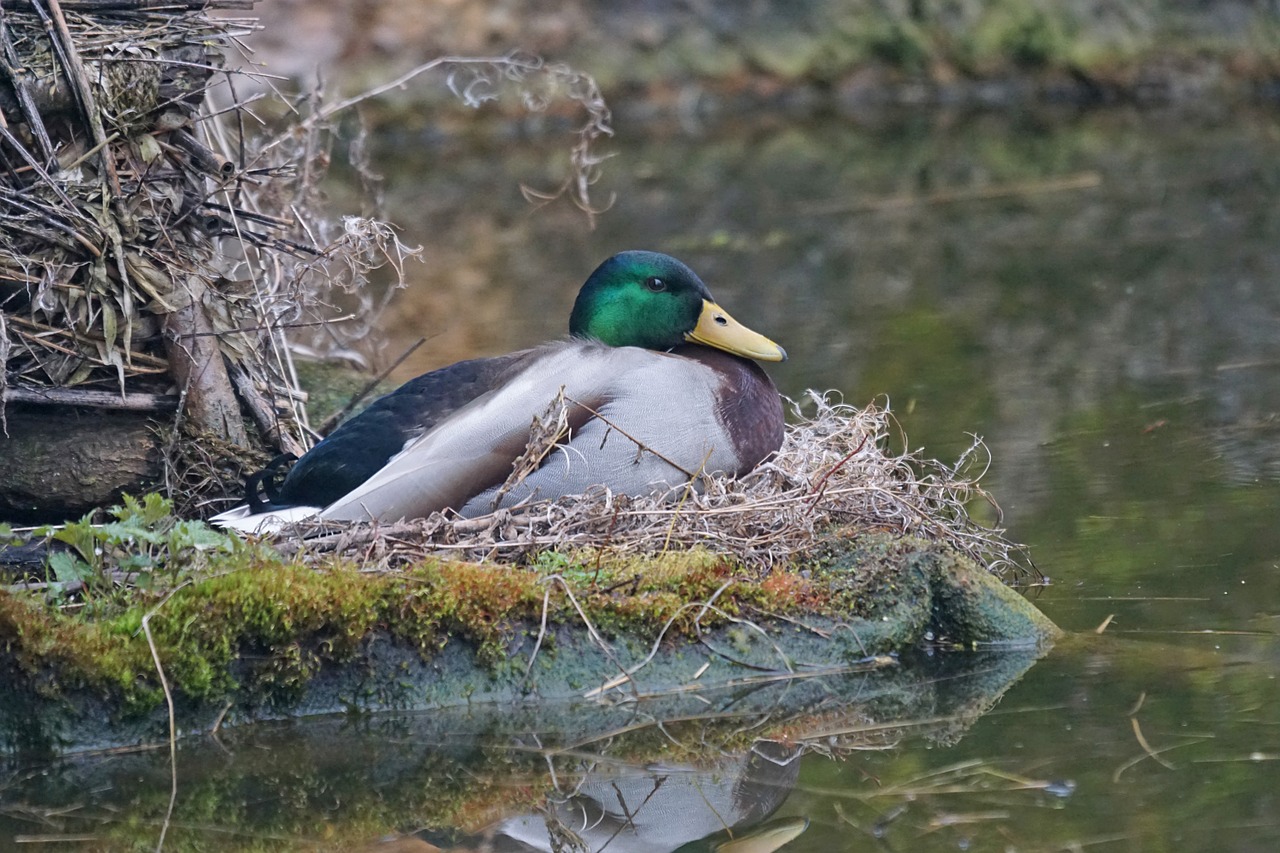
361 446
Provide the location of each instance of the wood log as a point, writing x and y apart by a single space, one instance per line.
197 366
57 463
132 401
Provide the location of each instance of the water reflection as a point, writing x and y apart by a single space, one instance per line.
714 771
654 809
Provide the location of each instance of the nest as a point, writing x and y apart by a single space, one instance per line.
836 469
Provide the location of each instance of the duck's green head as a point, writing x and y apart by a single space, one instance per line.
651 300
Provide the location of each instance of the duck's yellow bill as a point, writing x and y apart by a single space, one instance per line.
717 329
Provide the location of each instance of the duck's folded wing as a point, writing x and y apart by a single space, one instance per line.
473 449
654 430
361 446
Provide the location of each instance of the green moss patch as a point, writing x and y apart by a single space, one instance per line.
268 627
259 636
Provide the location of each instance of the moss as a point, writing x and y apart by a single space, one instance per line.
974 605
863 576
50 654
266 629
278 621
899 44
1015 35
478 603
918 589
280 637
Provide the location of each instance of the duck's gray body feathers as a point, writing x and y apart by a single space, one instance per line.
640 421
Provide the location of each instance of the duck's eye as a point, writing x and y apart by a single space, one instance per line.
655 284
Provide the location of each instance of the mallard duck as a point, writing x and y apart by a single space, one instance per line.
659 387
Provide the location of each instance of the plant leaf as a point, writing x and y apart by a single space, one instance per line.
66 567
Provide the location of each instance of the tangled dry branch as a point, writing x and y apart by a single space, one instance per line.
104 195
154 242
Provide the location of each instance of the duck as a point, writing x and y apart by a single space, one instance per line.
657 386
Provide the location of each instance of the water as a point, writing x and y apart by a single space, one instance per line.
1096 295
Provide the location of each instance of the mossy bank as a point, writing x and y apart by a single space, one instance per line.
252 636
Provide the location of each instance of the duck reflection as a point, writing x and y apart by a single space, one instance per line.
722 808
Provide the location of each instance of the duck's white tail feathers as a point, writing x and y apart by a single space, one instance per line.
262 523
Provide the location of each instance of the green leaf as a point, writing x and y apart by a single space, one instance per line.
152 511
8 537
156 508
66 567
130 507
136 562
129 533
81 536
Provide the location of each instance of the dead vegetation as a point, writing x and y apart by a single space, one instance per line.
107 194
161 238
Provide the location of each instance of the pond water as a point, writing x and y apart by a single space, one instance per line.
1097 295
